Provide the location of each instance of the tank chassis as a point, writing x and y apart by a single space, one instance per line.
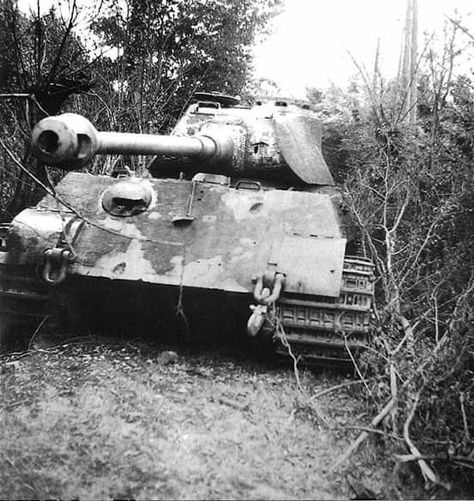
240 213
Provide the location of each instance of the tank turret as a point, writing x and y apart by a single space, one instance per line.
274 143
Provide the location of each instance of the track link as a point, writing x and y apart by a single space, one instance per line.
329 331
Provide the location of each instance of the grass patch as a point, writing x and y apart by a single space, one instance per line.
110 421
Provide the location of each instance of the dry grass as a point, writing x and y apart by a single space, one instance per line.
108 421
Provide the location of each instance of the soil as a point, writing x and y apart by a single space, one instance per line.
97 419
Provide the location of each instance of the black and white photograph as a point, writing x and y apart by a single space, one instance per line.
237 249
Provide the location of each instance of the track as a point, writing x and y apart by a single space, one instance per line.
322 331
329 331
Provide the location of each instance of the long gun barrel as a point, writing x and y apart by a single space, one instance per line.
69 141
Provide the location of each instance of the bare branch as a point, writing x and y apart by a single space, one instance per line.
409 333
427 472
364 435
462 28
367 86
410 263
335 388
401 213
60 51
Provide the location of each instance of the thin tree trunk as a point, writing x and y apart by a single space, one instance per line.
413 61
405 78
376 67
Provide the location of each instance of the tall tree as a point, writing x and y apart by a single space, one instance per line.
409 62
169 49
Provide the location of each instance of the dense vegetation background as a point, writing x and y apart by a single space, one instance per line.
407 173
130 65
407 177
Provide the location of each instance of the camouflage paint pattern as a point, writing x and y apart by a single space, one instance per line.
229 236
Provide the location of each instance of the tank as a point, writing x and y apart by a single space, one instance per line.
236 227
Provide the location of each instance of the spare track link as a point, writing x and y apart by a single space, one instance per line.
321 330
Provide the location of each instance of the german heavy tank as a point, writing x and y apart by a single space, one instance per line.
237 224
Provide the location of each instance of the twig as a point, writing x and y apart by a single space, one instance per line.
361 438
443 341
284 341
409 331
405 458
358 371
427 472
385 411
462 28
369 430
397 222
179 307
394 392
337 387
38 329
467 435
16 355
61 49
436 321
373 101
411 263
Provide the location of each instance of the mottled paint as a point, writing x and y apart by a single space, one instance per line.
234 234
281 146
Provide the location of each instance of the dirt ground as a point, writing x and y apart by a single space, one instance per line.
115 420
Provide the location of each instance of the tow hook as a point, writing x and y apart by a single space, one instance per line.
257 318
267 291
56 261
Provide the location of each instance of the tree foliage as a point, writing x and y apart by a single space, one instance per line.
43 60
41 56
141 65
410 188
166 50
